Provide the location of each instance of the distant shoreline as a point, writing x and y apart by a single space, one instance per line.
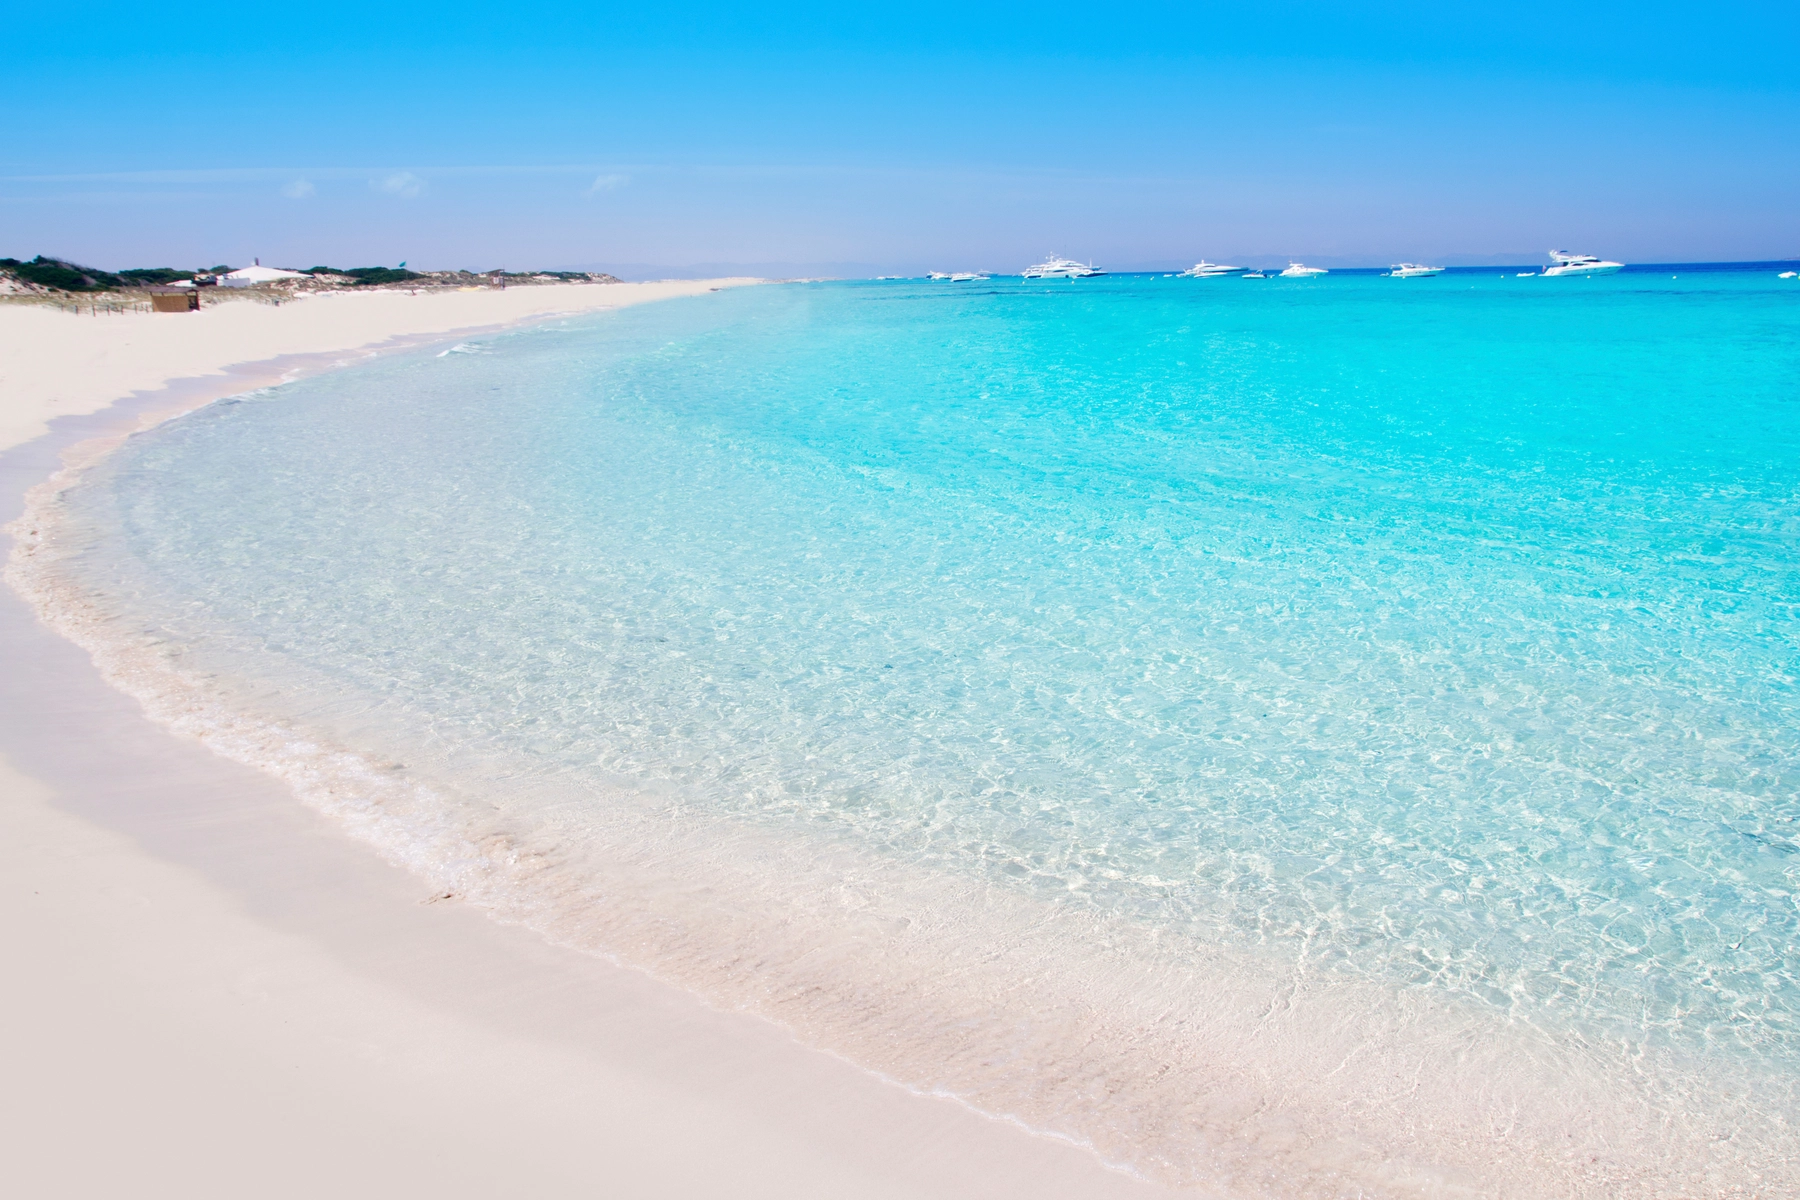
51 365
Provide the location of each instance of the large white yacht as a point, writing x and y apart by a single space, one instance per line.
1412 271
1206 270
967 277
1057 267
1581 264
1297 271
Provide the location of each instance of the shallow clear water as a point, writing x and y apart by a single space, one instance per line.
1437 636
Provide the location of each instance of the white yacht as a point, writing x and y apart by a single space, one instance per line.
1412 271
1253 275
1580 264
1057 267
1297 271
967 277
1206 270
937 274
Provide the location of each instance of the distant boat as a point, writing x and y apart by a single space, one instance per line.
1789 275
967 277
1524 275
1580 264
1252 275
1412 271
1206 270
1297 271
937 274
1056 267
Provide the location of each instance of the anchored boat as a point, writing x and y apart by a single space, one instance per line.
1580 264
1206 270
1057 267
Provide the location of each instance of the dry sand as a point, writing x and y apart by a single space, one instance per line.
53 363
210 991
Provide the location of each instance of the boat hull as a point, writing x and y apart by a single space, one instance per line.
1584 269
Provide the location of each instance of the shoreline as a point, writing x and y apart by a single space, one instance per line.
1258 1099
220 979
242 346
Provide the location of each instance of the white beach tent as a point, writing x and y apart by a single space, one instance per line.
250 276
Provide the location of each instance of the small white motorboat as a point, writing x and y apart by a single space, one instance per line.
1412 271
1299 271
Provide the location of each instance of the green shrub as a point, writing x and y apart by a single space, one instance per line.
64 277
147 276
367 275
375 275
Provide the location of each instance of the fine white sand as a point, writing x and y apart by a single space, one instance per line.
53 363
210 991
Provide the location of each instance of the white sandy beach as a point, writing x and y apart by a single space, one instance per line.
214 992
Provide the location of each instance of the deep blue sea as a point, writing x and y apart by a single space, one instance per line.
1330 737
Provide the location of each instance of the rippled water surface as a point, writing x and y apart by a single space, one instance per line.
1438 635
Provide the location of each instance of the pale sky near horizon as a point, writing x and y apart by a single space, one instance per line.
544 135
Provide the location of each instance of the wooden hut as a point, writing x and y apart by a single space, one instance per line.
174 300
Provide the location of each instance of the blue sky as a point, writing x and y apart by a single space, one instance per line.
653 137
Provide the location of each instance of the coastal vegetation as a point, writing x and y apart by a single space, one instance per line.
154 276
367 276
47 276
61 276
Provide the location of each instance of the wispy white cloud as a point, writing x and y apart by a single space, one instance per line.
403 184
298 189
606 183
313 171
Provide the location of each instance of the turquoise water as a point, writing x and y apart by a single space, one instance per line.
1432 641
